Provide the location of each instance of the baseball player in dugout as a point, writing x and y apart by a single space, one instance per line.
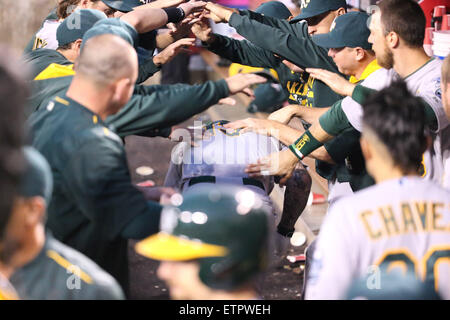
397 39
13 93
292 41
212 245
40 267
399 225
348 46
94 208
152 110
220 157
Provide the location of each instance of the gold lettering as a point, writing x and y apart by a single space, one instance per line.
421 208
364 217
389 220
408 218
437 216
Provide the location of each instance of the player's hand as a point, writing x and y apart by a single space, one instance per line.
280 164
218 13
284 115
292 67
202 31
261 126
181 29
240 81
192 6
172 50
337 83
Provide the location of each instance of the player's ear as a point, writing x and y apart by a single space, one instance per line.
360 53
35 211
393 40
341 11
77 46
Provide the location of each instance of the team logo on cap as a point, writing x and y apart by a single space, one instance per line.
304 3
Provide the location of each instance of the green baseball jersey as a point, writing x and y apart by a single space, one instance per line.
292 42
59 272
93 201
151 111
296 85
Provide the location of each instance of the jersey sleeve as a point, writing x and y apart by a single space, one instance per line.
334 258
295 29
299 48
165 106
102 189
242 52
432 96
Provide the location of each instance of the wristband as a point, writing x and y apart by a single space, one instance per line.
304 145
174 15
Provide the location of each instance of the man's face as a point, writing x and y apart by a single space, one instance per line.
183 280
345 59
321 23
378 40
101 6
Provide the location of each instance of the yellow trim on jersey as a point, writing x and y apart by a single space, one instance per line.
55 70
164 246
371 67
404 251
69 266
95 119
62 101
236 68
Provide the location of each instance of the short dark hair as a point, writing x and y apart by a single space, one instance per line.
65 7
397 117
406 18
67 46
13 92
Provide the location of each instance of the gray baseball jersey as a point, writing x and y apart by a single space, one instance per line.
221 154
425 83
397 225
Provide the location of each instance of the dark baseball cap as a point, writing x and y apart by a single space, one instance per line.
37 179
77 24
275 9
113 26
123 5
347 30
312 8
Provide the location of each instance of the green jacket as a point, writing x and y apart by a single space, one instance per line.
248 54
51 276
292 42
94 201
151 111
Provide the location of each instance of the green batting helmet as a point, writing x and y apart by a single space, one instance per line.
225 228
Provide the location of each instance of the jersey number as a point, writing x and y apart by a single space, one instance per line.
430 262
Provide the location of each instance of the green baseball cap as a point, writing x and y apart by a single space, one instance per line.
113 26
122 6
312 8
275 9
77 24
37 179
348 30
225 227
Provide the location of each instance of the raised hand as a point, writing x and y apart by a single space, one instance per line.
261 126
202 30
240 81
337 83
172 50
280 164
192 6
218 13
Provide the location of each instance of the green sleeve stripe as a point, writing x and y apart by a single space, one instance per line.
334 121
361 93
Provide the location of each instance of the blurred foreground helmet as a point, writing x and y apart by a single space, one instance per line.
224 227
